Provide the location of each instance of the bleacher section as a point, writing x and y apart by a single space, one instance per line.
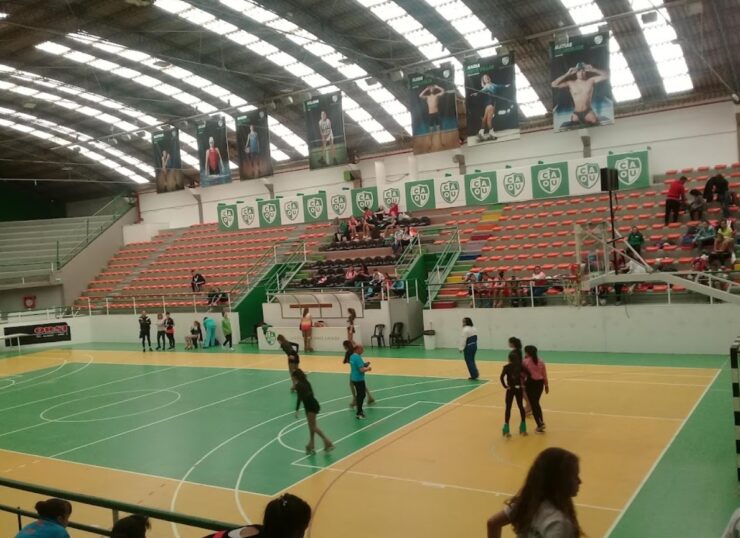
542 232
144 273
31 250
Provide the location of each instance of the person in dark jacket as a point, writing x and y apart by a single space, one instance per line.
511 380
291 350
145 331
286 516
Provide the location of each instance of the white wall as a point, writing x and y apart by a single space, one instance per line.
124 328
702 329
679 138
137 233
46 297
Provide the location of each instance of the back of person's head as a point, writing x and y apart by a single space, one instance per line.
347 345
531 352
287 516
553 477
683 179
359 349
57 510
299 374
160 316
467 322
305 311
131 527
515 343
280 338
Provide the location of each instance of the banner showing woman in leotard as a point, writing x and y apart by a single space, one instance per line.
432 100
213 152
167 164
490 99
325 129
581 89
253 141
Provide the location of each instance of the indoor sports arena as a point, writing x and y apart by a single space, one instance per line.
369 268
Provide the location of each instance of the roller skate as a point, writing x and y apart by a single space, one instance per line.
505 432
523 428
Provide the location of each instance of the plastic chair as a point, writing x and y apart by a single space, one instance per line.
396 336
378 335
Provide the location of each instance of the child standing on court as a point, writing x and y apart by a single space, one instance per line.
169 329
469 346
511 379
536 382
312 407
226 327
358 367
160 332
145 330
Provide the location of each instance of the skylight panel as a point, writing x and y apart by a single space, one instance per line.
263 48
242 38
220 27
125 72
3 15
282 59
134 55
53 48
78 56
25 91
587 15
146 80
103 65
173 6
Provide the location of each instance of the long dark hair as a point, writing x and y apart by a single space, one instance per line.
514 341
299 375
54 509
352 315
467 322
348 350
553 477
287 516
131 527
531 351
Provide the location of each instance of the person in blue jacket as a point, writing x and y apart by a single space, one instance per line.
52 522
209 324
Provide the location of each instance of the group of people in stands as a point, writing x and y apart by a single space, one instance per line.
716 189
501 289
369 224
543 506
216 296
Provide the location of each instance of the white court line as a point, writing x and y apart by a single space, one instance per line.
54 380
166 419
88 388
84 411
64 362
632 382
660 457
583 413
148 392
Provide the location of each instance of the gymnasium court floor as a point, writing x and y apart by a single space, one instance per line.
213 434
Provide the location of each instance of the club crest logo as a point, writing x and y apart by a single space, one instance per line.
446 73
587 175
269 212
514 184
270 337
550 179
449 190
420 195
391 196
227 217
339 204
315 207
599 39
481 188
291 210
248 215
629 169
334 98
364 199
505 60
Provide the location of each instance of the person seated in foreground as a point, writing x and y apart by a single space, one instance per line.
725 239
134 526
52 522
287 516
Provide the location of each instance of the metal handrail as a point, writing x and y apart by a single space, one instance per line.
261 265
445 262
116 507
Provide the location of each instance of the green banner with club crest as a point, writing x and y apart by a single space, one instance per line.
420 195
510 185
314 207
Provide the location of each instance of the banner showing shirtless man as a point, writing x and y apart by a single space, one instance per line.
433 110
582 95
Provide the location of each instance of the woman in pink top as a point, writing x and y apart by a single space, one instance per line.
536 382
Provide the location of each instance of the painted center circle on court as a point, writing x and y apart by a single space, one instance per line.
110 406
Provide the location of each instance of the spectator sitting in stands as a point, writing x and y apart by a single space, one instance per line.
287 516
717 188
375 285
393 213
368 222
635 239
341 230
539 282
398 288
725 240
350 275
363 274
401 240
674 199
52 522
131 527
214 296
354 225
705 235
499 287
697 205
197 281
701 265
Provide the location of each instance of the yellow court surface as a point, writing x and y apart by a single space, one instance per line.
438 472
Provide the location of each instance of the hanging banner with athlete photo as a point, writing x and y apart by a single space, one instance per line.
433 110
167 163
490 99
213 152
291 210
325 131
581 89
253 141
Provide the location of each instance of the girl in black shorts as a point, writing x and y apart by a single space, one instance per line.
312 407
291 350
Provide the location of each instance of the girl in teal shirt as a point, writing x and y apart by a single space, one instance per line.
52 522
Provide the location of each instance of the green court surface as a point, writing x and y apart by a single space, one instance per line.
238 424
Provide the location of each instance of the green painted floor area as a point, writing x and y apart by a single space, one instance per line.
160 420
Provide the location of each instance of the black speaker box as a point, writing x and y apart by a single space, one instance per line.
609 180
